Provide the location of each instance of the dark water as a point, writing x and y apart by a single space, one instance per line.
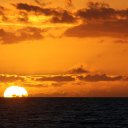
64 113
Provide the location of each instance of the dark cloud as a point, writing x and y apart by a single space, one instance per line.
113 29
57 78
99 19
101 11
36 9
78 70
2 9
58 15
63 17
8 78
96 11
28 33
97 77
31 8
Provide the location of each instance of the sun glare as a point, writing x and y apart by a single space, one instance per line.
15 91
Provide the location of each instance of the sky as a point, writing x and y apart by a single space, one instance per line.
78 49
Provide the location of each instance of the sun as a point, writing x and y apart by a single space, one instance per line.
15 91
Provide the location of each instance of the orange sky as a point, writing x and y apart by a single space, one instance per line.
78 49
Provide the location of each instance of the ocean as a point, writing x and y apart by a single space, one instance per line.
64 113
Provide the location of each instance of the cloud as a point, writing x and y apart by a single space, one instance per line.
78 70
96 11
63 17
86 90
96 20
31 8
37 9
2 9
2 13
28 33
10 78
100 20
97 77
57 78
111 29
58 15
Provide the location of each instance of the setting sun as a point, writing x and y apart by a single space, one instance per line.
15 91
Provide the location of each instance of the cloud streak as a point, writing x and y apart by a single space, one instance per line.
97 78
25 34
57 78
10 78
76 84
105 29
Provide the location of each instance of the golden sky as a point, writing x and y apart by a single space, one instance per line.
77 49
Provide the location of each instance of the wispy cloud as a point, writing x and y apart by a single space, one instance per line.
56 78
29 33
77 75
100 77
76 84
10 78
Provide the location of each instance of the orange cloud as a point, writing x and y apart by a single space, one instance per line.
28 33
70 85
100 20
11 78
58 15
57 78
97 77
78 70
